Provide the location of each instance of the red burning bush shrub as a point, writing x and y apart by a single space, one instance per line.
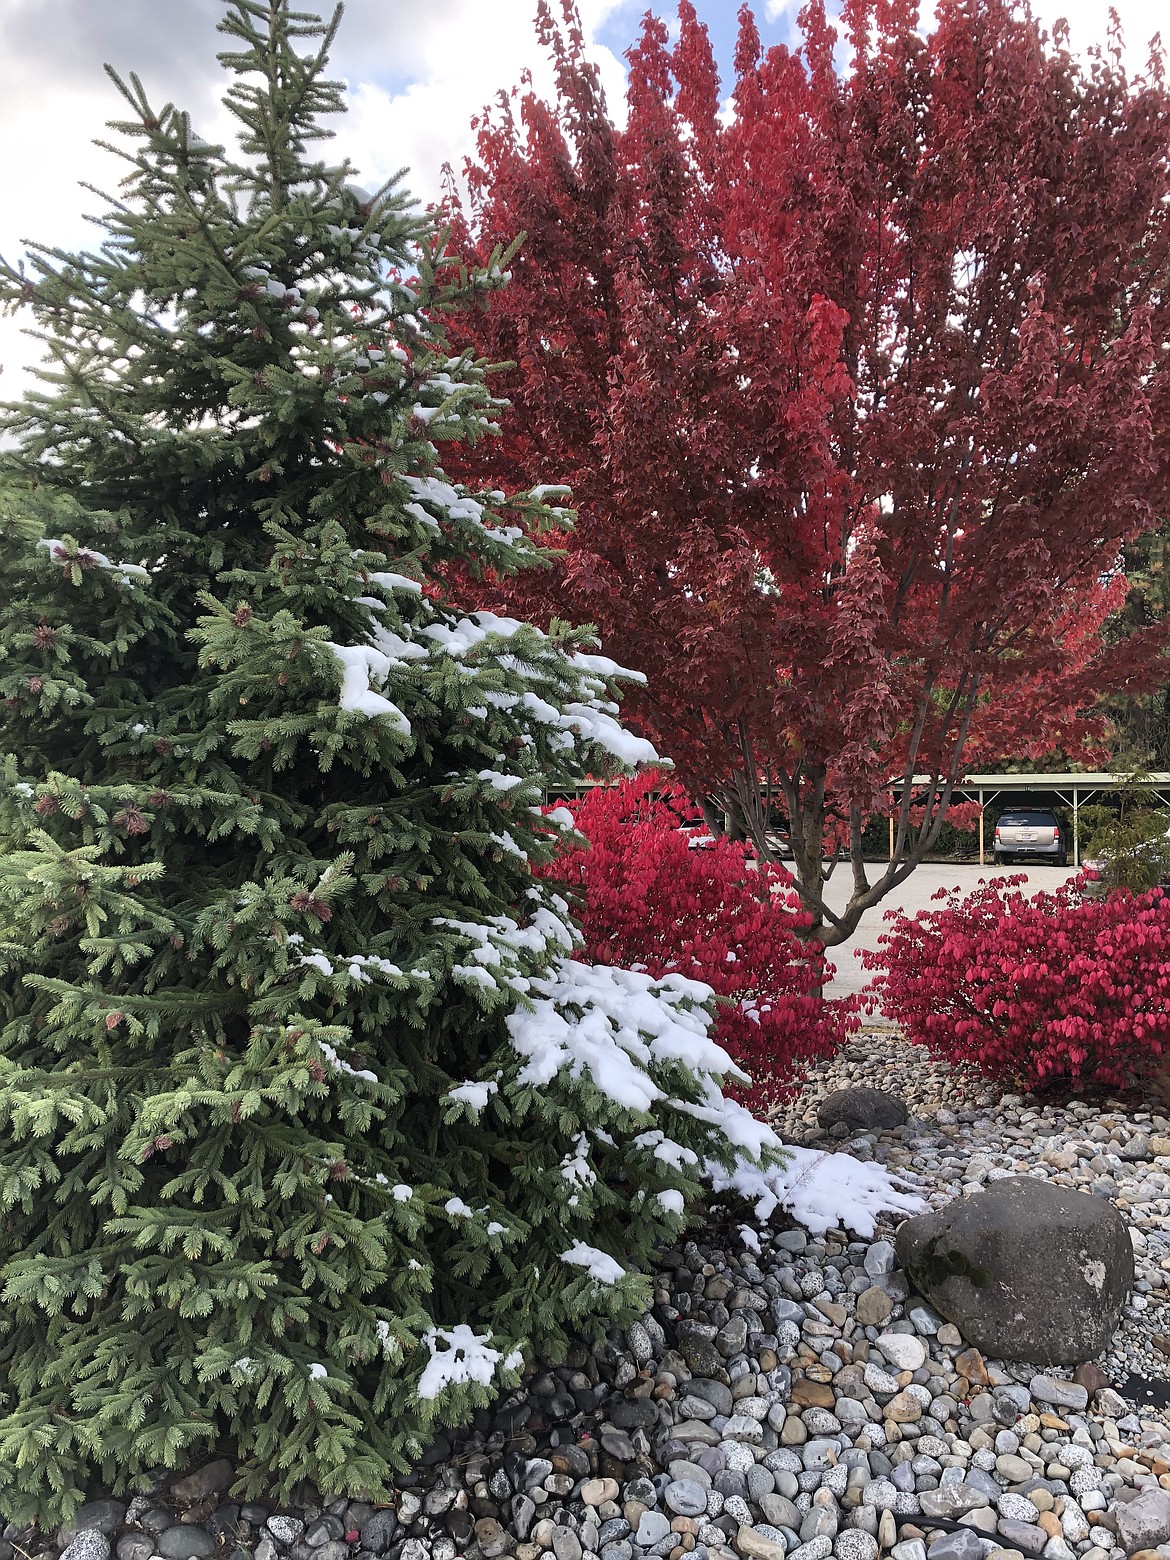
1052 989
663 897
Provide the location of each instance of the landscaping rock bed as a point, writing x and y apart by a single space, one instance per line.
965 1134
797 1401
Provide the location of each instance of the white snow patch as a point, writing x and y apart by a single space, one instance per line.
341 1066
500 941
459 635
575 1167
89 557
613 1025
670 1152
596 726
737 1124
476 1095
467 1357
601 1267
389 581
508 844
500 782
602 666
360 665
821 1190
476 974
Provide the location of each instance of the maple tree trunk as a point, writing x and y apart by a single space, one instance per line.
809 814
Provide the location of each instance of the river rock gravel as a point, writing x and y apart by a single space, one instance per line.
798 1402
964 1133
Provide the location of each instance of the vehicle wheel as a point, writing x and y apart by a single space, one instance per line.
1000 859
1062 859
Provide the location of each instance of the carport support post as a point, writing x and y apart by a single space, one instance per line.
891 836
981 828
1076 828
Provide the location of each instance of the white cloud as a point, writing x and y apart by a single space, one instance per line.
416 74
479 51
1089 22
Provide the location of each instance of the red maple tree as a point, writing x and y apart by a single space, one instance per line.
859 389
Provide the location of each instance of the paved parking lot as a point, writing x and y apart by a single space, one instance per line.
914 894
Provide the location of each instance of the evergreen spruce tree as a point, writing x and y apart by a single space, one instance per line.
311 1131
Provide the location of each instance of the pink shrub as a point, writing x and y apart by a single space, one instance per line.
658 896
1051 989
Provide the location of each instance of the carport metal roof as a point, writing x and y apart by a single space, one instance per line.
1069 788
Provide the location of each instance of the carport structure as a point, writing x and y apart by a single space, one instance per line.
1043 790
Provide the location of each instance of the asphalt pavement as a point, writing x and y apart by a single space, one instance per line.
914 894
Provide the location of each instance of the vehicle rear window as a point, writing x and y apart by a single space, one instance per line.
1028 820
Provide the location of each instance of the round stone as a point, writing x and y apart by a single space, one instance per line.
685 1497
566 1545
493 1541
760 1482
286 1530
851 1411
653 1528
1012 1468
880 1258
620 1549
186 1542
639 1343
89 1544
739 1457
1085 1480
1018 1507
596 1491
819 1454
378 1531
874 1307
854 1544
880 1493
613 1531
104 1516
861 1107
903 1408
905 1351
879 1380
815 1549
135 1546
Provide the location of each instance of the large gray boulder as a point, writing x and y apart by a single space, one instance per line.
1144 1523
872 1109
1025 1270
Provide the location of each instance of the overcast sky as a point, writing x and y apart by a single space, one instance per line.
416 74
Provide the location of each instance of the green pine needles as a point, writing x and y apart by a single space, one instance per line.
311 1131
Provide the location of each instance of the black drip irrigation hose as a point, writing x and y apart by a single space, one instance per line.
948 1525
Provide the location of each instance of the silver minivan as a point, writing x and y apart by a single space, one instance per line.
1030 833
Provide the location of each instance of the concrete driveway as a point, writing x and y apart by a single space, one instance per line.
915 894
